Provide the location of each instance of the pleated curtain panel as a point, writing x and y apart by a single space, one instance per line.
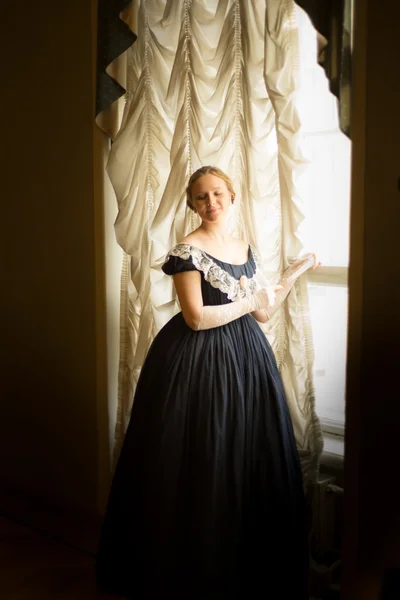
214 83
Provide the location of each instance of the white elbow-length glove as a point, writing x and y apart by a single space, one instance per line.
215 316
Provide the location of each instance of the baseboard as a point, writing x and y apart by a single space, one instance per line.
75 527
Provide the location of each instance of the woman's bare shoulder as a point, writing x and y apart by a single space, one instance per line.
191 238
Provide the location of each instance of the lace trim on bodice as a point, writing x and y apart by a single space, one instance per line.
235 289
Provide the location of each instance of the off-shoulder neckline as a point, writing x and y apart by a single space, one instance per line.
249 253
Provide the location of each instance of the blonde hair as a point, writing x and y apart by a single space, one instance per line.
208 170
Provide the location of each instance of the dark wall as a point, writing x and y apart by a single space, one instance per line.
373 399
49 412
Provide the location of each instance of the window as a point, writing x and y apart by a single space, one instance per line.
328 232
325 186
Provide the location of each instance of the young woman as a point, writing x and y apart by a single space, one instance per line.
207 498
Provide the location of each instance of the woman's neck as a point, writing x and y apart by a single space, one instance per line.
215 231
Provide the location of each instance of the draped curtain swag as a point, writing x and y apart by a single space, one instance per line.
333 20
214 83
115 34
114 37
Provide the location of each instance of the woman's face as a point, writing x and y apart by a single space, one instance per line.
211 198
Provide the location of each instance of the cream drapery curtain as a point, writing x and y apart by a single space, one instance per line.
213 82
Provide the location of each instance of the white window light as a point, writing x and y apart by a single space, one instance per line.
325 187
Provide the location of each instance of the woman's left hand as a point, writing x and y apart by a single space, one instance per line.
299 266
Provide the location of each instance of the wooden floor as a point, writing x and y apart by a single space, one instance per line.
35 567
